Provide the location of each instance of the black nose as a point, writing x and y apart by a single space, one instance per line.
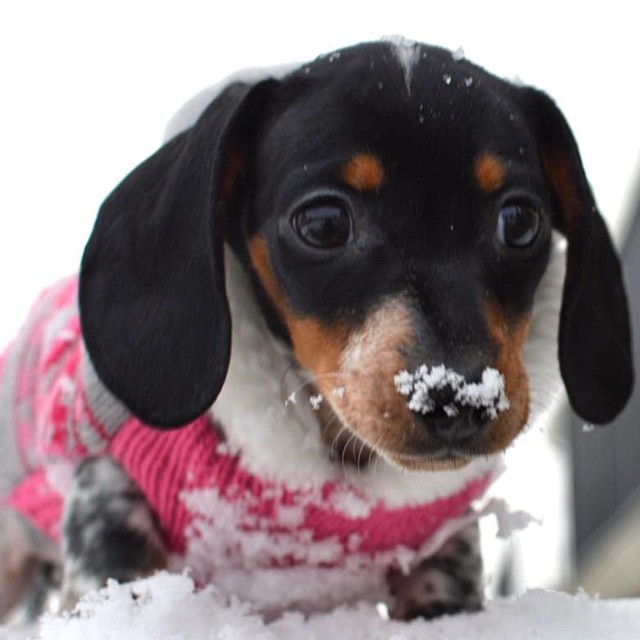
453 423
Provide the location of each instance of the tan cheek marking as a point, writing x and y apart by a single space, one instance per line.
509 339
365 361
489 172
259 254
318 347
363 172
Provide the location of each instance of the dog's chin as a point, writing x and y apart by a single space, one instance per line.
437 461
348 444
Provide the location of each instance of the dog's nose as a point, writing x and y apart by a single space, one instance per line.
453 423
466 423
451 406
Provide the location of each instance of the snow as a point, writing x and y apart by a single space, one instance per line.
488 393
458 54
407 53
167 607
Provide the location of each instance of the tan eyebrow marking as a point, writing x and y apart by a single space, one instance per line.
363 172
489 172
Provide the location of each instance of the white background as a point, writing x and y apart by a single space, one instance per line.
87 87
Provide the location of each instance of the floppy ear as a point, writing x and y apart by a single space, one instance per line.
595 338
153 306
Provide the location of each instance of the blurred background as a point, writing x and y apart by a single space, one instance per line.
87 88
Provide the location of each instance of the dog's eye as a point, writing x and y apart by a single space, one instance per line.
518 224
323 225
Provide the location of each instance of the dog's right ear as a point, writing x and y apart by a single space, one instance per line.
594 347
153 305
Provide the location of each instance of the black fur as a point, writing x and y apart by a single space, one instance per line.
153 303
152 299
595 334
154 312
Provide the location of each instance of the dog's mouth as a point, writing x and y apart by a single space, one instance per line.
419 449
426 417
438 460
347 446
431 419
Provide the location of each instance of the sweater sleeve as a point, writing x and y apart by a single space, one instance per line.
53 407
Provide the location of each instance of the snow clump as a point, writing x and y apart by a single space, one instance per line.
419 386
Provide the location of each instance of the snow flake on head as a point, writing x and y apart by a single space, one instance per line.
407 53
458 54
487 394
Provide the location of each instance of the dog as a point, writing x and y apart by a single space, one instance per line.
302 334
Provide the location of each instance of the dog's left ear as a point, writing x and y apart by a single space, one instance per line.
595 338
153 304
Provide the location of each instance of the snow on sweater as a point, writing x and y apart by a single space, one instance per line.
55 412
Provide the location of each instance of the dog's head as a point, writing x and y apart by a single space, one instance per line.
394 207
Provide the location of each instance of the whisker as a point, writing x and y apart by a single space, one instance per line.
375 466
290 399
334 444
362 446
288 369
371 452
344 450
330 422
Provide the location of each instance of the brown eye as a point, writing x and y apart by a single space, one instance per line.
323 225
518 224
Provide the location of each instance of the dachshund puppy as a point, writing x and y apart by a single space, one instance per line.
302 334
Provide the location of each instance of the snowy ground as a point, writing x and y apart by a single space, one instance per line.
167 608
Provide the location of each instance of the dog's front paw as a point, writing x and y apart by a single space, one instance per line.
446 583
109 531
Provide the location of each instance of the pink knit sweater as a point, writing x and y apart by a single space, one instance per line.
55 411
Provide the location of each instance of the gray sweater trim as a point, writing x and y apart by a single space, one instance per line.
105 407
